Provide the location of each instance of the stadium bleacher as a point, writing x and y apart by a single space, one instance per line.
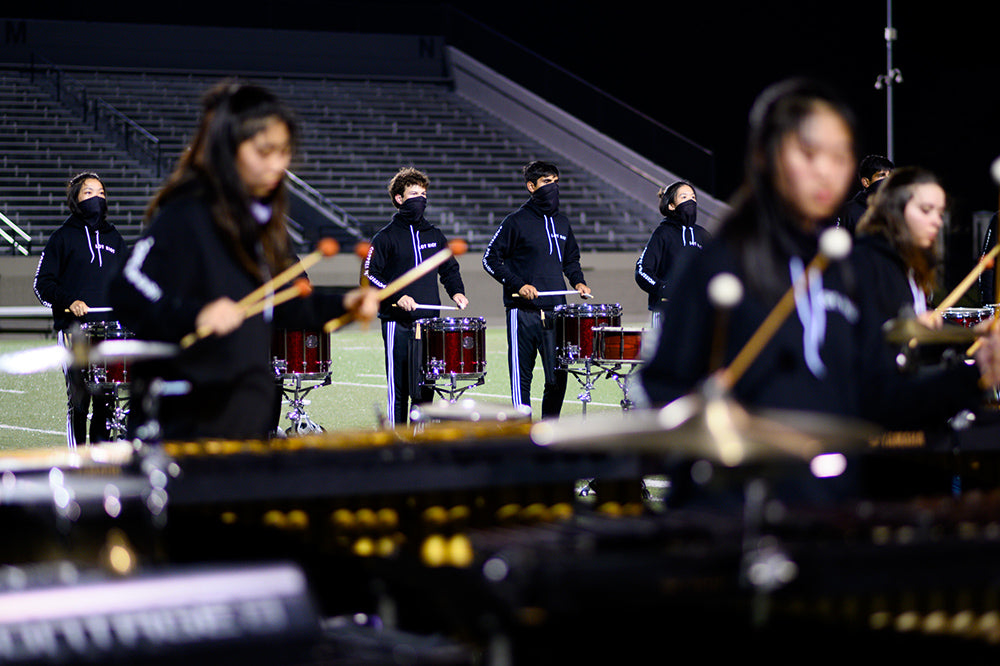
355 135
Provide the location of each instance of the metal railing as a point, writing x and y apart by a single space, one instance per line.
20 241
131 136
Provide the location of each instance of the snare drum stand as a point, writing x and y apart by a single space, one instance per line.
453 391
296 398
584 377
612 371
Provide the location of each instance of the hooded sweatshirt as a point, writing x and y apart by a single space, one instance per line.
827 356
77 263
396 248
669 244
536 248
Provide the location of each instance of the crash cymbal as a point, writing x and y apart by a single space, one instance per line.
132 350
717 429
40 359
908 331
55 357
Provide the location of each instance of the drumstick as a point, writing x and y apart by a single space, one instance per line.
89 310
561 292
423 306
301 288
834 244
964 285
404 280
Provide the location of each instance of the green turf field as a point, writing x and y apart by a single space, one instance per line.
33 406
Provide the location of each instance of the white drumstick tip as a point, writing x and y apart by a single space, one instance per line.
995 171
835 243
725 290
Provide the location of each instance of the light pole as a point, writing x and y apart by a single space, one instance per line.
892 75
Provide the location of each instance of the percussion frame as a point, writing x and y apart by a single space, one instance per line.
452 392
294 394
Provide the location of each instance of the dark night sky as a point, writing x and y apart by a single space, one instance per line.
696 67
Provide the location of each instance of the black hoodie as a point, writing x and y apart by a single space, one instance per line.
669 244
77 263
533 247
835 363
399 246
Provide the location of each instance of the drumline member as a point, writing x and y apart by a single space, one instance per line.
829 355
405 242
72 277
216 232
531 251
896 246
677 235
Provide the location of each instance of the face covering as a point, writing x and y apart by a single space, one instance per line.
412 210
93 211
546 197
686 212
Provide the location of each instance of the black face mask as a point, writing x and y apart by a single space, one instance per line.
686 212
412 210
93 211
546 197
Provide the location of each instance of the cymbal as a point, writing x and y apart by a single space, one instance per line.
54 357
132 350
716 428
909 331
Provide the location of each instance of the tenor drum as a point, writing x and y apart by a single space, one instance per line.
303 353
105 373
454 347
575 328
616 343
967 317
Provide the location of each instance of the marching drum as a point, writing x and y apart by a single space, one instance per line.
616 343
104 373
575 328
967 317
454 347
304 353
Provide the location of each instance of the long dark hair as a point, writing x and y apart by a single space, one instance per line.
761 222
886 215
233 112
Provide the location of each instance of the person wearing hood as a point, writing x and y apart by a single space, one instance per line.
530 253
677 235
72 278
405 242
871 170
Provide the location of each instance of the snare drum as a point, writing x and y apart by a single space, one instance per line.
105 373
967 317
616 343
575 328
305 353
454 347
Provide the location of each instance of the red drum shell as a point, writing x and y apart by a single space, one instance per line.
615 343
454 346
300 352
105 372
967 317
575 328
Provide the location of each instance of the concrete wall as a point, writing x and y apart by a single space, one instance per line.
609 274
